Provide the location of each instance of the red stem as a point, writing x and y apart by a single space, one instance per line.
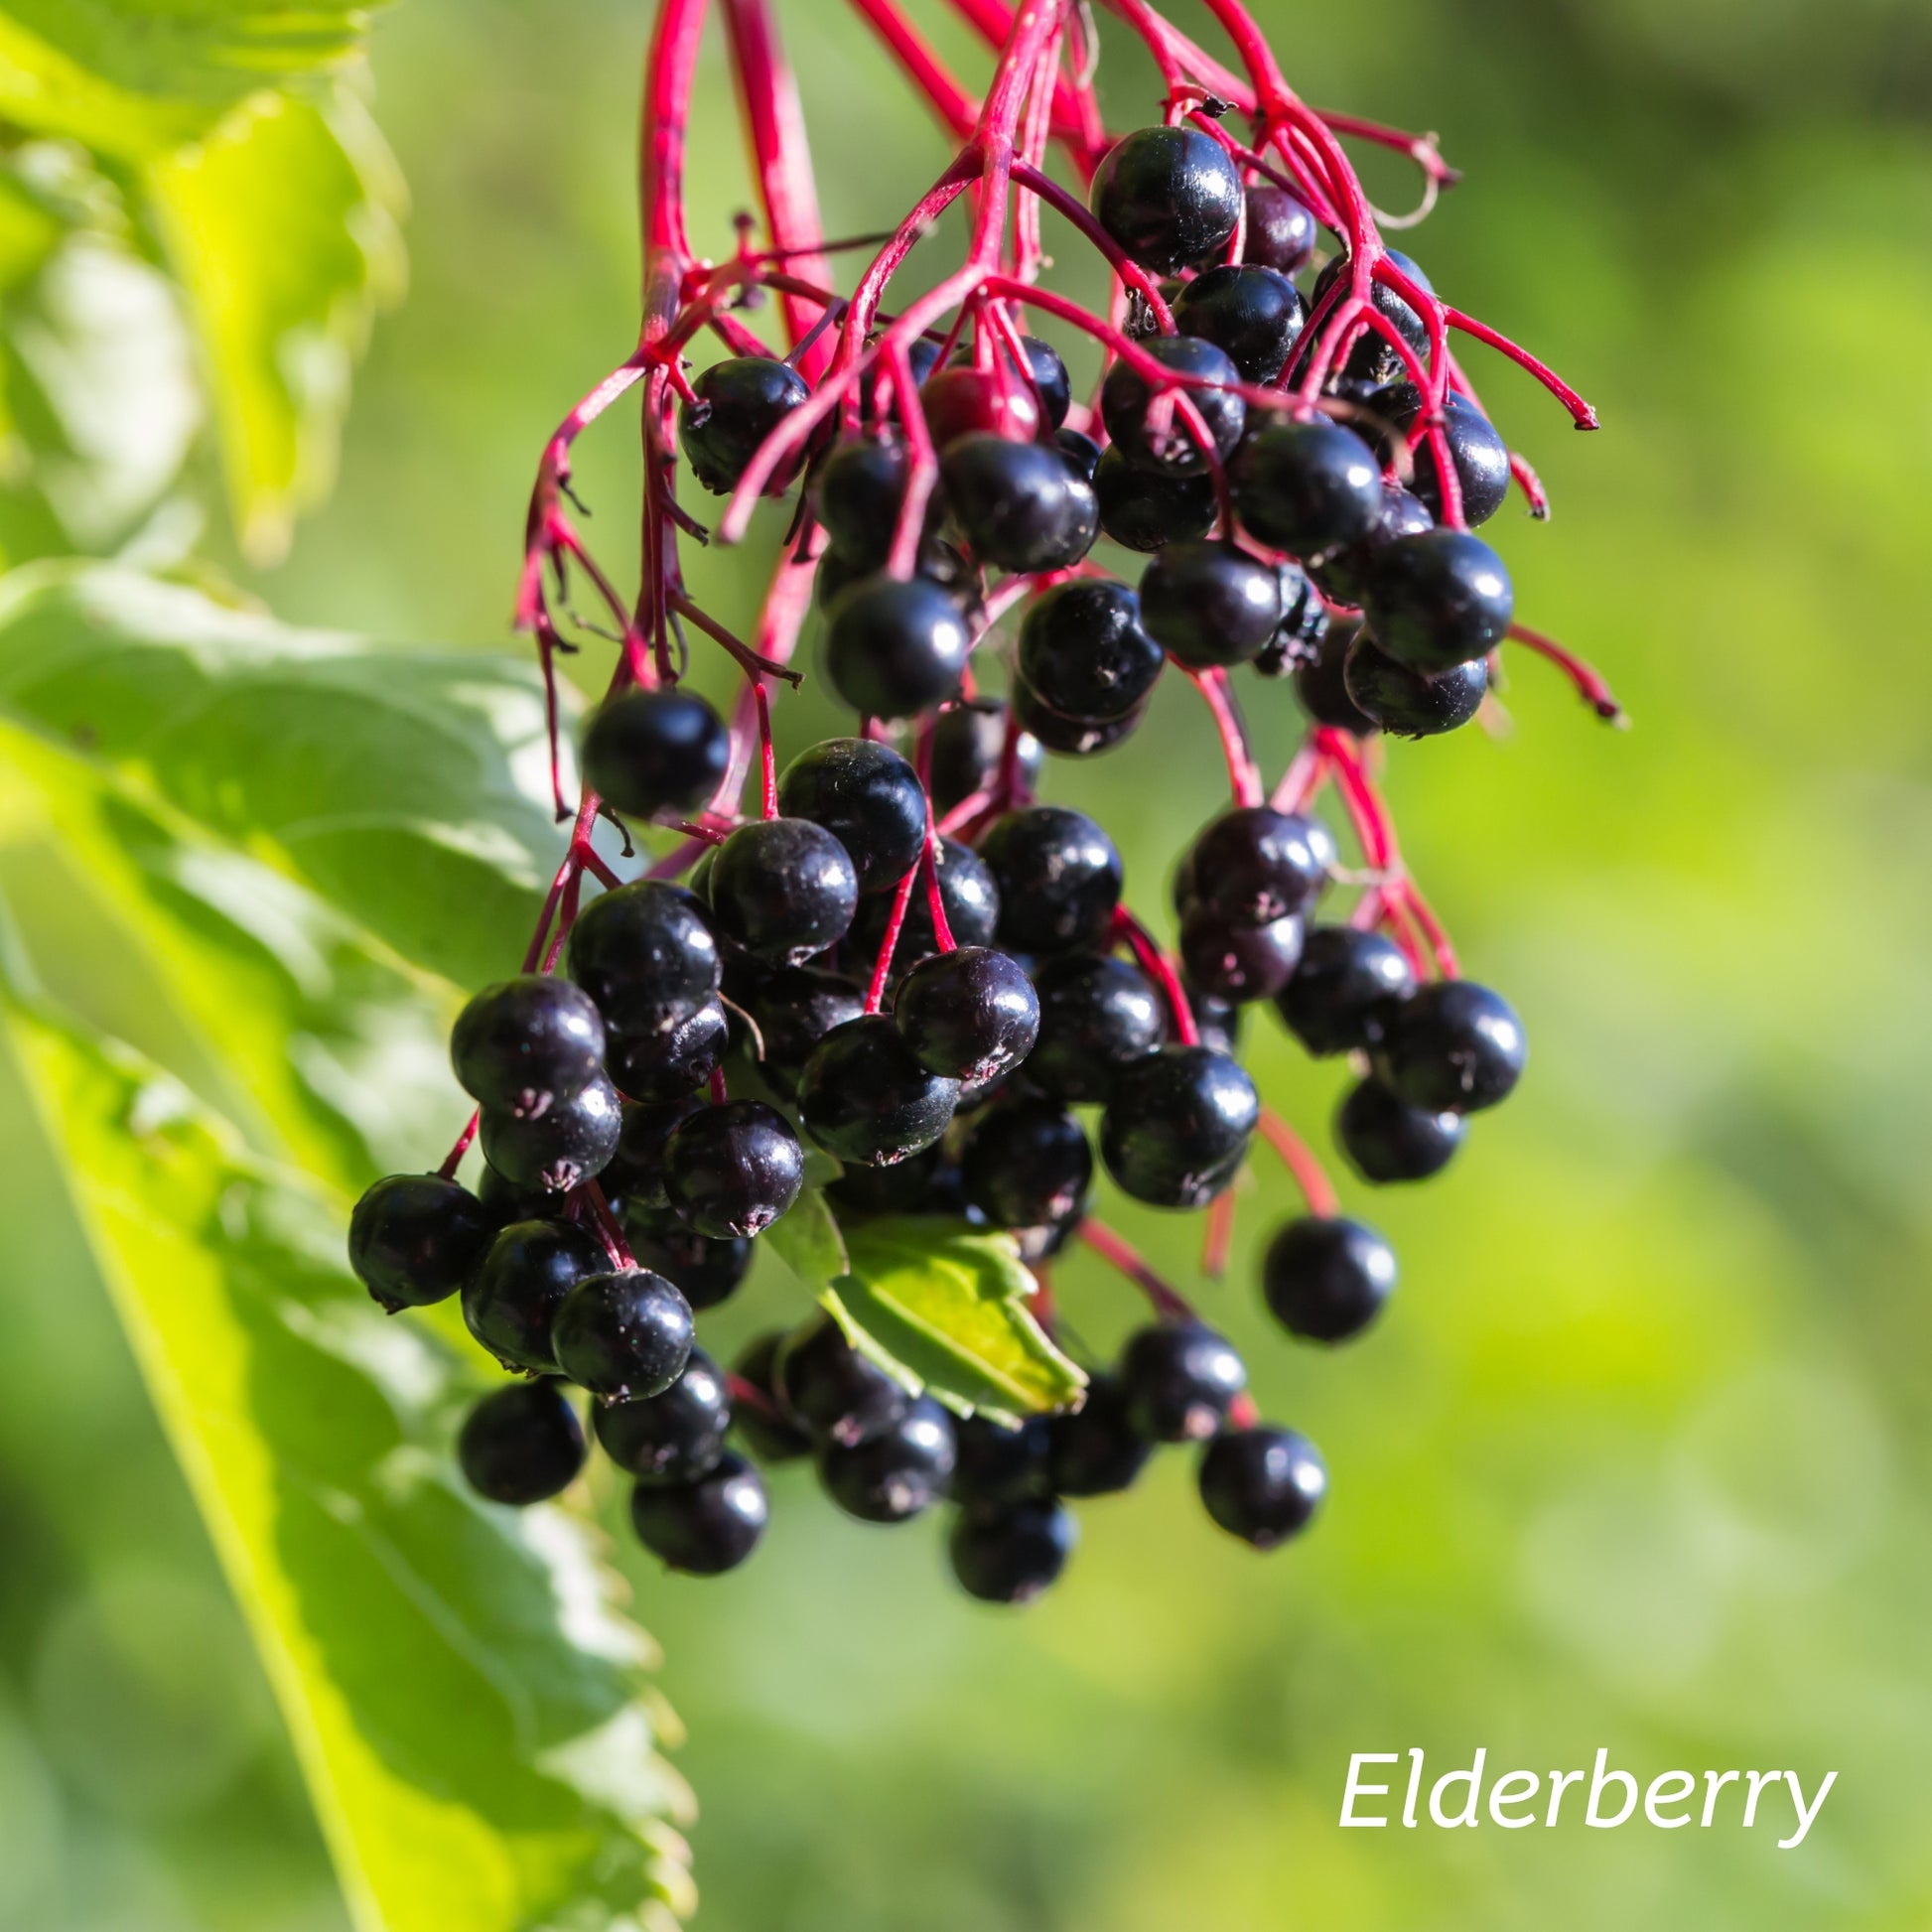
1297 1157
1159 969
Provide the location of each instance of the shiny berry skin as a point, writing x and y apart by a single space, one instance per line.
892 649
524 1042
1326 1278
740 402
1406 702
622 1336
1082 453
1009 1555
673 1436
1052 383
967 401
1386 1140
968 743
1372 359
763 1424
645 953
704 1269
1253 315
510 1304
1125 399
1028 1165
1020 506
1262 1485
1321 682
1216 1020
1347 982
1177 1126
860 489
794 1009
864 1097
1479 457
1095 1450
560 1148
1454 1047
1072 737
1179 1379
1096 1015
1083 654
1306 488
1256 864
648 751
706 1526
521 1445
1142 509
733 1170
660 1068
1208 603
415 1238
1437 600
867 796
970 1013
893 1475
1059 878
1281 232
1233 960
1169 195
966 891
833 1391
927 1183
995 1465
1344 574
784 889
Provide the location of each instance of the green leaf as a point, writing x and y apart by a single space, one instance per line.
469 1708
808 1241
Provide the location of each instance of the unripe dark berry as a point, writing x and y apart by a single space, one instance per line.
896 1474
864 1097
1143 509
510 1304
967 401
1208 603
1436 599
706 1271
1479 457
1020 506
1454 1047
645 952
1306 488
838 1394
521 1445
1407 702
867 796
1059 878
1262 1485
784 889
1179 1379
1254 864
1326 1278
1344 988
523 1043
1009 1555
995 1466
968 743
1386 1140
415 1238
651 752
660 1068
1253 315
739 404
893 649
1083 654
733 1170
1095 1449
1281 232
705 1527
1177 1126
1171 197
1028 1165
623 1335
672 1437
1096 1015
1171 447
970 1013
560 1148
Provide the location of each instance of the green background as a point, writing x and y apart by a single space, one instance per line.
1639 1460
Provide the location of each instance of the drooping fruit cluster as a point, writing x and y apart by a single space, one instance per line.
896 957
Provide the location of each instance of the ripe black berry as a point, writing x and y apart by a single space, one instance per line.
1125 399
894 648
794 1009
1262 1485
1385 1139
993 1464
1344 988
645 952
968 742
416 1238
893 1474
1143 509
1083 653
1082 451
1009 1555
966 891
1280 232
1321 682
1072 737
860 489
1020 506
523 1043
1436 599
834 1391
1169 196
672 1437
1345 573
565 1145
1177 1126
1207 604
1254 864
1253 315
704 1271
636 1172
648 751
625 1335
970 1013
521 1445
1216 1020
1059 878
740 402
706 1527
1454 1047
503 1202
1326 1278
1028 1165
1479 457
1179 1379
1372 359
731 1170
512 1303
867 796
1095 1450
1229 959
864 1097
1096 1015
760 1418
784 889
1407 702
664 1066
915 1185
1306 488
1052 383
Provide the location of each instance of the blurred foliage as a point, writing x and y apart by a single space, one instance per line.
1640 1457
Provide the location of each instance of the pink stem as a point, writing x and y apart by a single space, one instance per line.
1297 1157
1126 1259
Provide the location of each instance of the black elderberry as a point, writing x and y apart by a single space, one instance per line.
1344 988
416 1238
733 1170
895 648
1326 1278
636 1172
1126 401
1169 196
645 952
1020 506
1437 600
648 751
867 796
864 1097
1177 1126
861 488
1478 456
510 1303
1009 1553
1406 702
1372 359
1058 875
1254 864
1303 625
704 1269
1052 383
623 1335
665 1066
793 1010
1142 509
522 1043
967 401
1253 315
966 891
896 1474
1072 738
1306 488
1386 1140
1231 959
1081 452
1344 574
922 358
1280 232
1208 603
1028 1165
758 1416
560 1148
1321 682
927 1182
784 889
1262 1485
1454 1047
739 404
1216 1020
504 1202
1083 654
675 1435
1179 1379
521 1445
705 1527
970 1013
1096 1015
1095 1449
995 1464
838 1394
968 743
